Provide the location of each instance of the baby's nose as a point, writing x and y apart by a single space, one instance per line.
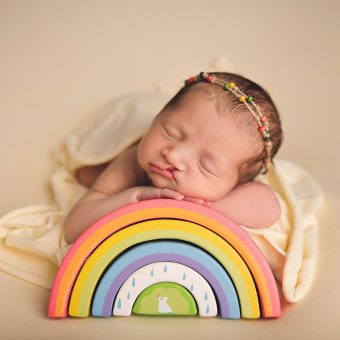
176 157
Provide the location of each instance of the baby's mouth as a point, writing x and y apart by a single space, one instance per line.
165 172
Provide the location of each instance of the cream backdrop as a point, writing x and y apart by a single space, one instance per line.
62 61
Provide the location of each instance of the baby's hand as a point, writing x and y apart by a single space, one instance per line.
148 193
197 200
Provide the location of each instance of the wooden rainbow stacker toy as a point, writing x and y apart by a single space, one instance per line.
164 257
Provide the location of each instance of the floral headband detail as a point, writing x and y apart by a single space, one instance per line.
251 106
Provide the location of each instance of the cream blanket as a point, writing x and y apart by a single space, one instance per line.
32 243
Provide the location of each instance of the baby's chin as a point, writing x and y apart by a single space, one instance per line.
160 182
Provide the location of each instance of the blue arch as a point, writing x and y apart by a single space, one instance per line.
175 251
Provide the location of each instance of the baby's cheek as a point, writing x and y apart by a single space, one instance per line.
214 190
143 153
195 187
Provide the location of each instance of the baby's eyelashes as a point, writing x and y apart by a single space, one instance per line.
171 132
205 168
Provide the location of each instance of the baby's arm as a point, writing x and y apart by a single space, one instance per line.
114 188
253 205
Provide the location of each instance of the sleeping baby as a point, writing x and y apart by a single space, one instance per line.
207 145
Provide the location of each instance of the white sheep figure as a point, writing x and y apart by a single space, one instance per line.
163 306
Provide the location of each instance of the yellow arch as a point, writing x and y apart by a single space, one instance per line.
97 262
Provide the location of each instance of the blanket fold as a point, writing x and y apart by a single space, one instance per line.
32 240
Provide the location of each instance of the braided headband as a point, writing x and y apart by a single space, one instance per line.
249 103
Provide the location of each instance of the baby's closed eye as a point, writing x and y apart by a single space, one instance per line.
171 132
206 168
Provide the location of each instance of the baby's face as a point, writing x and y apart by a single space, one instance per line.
194 150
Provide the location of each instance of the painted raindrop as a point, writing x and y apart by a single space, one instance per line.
133 282
206 296
184 276
119 303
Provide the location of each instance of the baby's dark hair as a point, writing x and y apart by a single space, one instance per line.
227 103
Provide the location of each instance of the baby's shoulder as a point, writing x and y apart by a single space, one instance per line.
255 189
127 163
254 205
121 173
